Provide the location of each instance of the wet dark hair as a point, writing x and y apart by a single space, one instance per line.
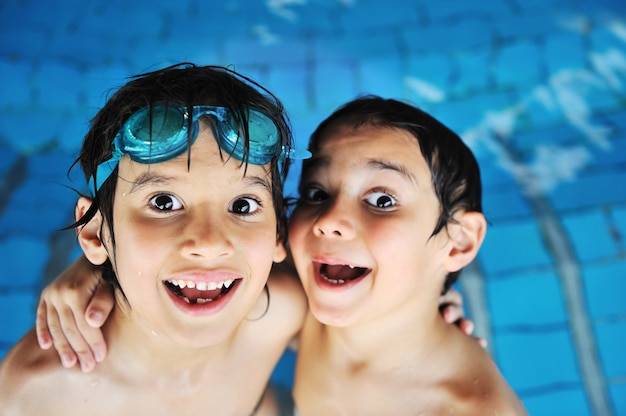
188 85
454 170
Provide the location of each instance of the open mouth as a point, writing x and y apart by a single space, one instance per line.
338 274
198 293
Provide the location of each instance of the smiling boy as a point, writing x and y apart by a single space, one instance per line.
389 213
186 165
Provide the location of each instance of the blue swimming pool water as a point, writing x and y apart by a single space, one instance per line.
536 88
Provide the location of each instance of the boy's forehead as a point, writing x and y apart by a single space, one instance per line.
383 141
372 148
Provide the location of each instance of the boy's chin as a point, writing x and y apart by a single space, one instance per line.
335 316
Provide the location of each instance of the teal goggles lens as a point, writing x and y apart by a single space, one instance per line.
164 132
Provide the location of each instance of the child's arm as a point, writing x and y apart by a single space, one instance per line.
451 308
71 310
75 305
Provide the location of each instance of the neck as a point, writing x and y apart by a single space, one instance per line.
408 334
140 352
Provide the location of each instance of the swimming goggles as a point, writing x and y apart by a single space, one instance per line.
160 133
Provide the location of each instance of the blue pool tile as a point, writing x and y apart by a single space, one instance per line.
7 161
15 83
28 137
348 49
618 119
526 300
607 37
297 19
71 134
284 371
471 115
590 190
344 85
470 33
605 286
610 157
58 85
587 247
19 311
567 401
564 51
496 9
381 76
517 64
601 11
522 355
427 77
359 19
52 209
495 177
611 345
248 51
541 109
556 134
471 72
606 97
505 203
20 40
287 84
49 167
23 261
510 246
618 396
619 218
536 19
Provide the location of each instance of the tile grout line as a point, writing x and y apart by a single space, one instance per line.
473 285
579 322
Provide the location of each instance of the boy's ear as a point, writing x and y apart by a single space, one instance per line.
89 234
466 235
280 252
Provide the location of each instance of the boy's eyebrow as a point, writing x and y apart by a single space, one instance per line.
396 167
316 162
152 178
149 178
256 180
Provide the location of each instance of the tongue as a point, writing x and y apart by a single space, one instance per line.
339 272
194 294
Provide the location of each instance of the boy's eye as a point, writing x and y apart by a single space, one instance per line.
166 202
314 194
380 200
245 206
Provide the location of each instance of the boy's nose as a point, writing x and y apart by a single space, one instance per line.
334 222
208 238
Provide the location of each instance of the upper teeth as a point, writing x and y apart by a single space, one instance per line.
202 285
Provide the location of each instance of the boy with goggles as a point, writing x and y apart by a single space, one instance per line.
186 168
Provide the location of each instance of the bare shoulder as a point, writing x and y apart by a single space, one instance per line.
480 387
27 378
287 299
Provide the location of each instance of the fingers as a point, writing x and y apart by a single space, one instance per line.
41 329
60 341
100 306
452 297
451 306
482 342
97 312
466 326
62 318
